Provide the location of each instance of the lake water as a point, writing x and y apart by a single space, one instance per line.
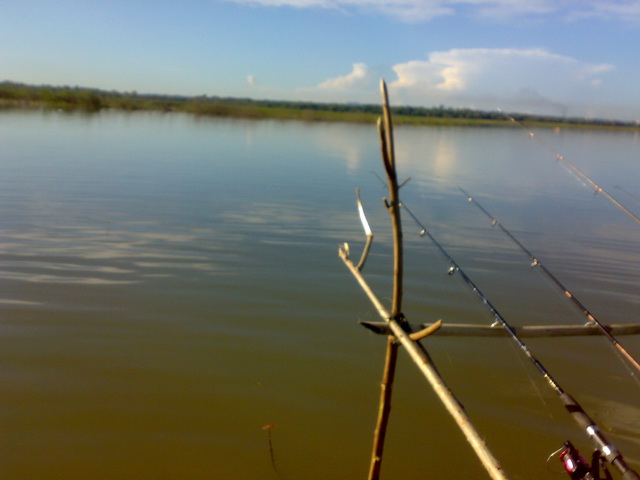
170 284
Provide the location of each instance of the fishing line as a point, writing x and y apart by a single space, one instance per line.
384 184
559 471
534 385
574 169
572 406
536 263
635 197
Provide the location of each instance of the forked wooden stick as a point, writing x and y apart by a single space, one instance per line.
385 131
424 363
386 389
401 332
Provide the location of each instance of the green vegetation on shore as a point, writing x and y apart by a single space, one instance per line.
18 95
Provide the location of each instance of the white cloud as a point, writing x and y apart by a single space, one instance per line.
424 10
530 80
406 10
359 77
501 9
416 72
461 77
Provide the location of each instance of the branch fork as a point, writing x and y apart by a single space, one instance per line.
399 330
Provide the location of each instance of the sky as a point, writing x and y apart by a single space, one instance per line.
555 57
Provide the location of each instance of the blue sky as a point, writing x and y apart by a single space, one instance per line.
574 57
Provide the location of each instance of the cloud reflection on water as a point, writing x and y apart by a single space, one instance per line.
214 286
92 256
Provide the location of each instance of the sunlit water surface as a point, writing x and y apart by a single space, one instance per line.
169 285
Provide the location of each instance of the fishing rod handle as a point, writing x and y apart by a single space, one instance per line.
583 419
630 474
611 453
627 472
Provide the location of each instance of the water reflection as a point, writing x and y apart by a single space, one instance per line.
432 152
170 285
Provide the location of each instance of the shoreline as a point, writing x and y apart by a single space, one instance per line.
24 97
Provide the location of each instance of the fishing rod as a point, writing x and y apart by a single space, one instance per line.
574 169
612 455
535 262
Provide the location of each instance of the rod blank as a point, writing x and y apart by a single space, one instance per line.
575 170
572 406
535 262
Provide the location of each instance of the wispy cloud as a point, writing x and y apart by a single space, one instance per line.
425 10
406 10
625 10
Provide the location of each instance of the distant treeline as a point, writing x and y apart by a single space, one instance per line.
19 95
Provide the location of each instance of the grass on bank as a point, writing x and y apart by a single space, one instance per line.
22 96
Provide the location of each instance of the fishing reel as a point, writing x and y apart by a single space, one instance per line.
577 467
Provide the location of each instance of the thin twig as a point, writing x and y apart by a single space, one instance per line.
425 332
367 231
268 429
386 389
385 129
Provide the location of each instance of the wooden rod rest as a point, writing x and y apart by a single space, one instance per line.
466 330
